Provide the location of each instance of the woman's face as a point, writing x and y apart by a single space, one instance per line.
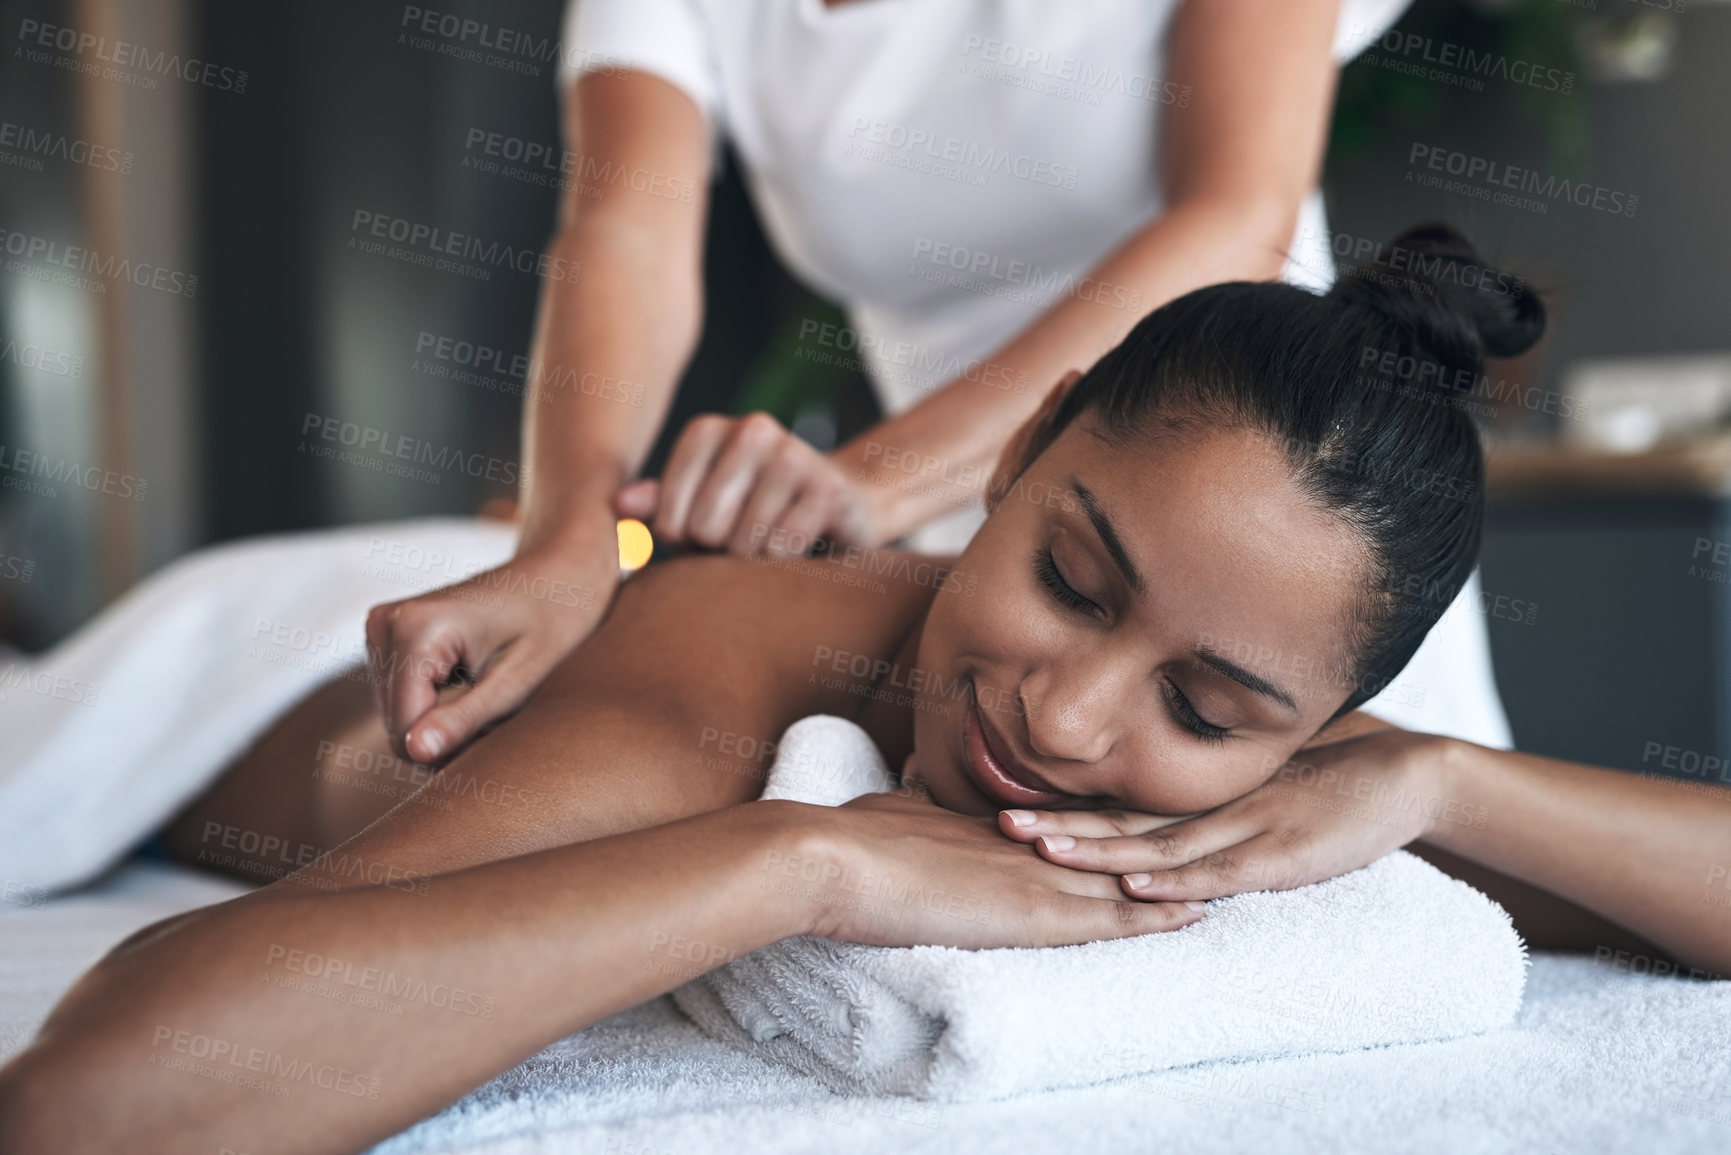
1156 627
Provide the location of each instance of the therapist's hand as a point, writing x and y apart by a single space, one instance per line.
1331 809
749 486
503 630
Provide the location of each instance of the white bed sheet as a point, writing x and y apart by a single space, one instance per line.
1597 1062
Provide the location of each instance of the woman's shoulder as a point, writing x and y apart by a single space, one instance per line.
870 591
709 625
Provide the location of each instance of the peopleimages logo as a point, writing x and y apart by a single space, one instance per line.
899 360
78 260
1464 67
37 37
364 445
495 45
32 143
1490 176
538 163
884 141
429 245
1460 386
1428 267
45 360
1070 77
41 475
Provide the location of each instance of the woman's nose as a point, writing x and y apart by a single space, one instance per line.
1075 710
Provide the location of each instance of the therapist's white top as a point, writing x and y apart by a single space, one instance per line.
950 169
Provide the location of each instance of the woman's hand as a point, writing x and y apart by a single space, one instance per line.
503 630
1332 809
897 870
749 486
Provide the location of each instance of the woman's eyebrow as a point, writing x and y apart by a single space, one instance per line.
1244 677
1115 547
1108 534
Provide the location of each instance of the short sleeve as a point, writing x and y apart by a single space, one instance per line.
1362 22
666 38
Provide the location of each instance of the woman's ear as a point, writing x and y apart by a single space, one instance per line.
1029 441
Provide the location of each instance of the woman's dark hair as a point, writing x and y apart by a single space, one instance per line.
1366 389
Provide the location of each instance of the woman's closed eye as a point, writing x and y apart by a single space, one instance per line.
1185 714
1063 591
1192 721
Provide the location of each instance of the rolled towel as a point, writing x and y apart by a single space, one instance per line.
1396 952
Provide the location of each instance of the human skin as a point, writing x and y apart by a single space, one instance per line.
552 912
559 914
1236 162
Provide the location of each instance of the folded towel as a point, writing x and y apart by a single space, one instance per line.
1396 952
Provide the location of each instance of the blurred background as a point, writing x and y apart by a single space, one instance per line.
183 289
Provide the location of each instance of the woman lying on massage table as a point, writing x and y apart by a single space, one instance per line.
1202 556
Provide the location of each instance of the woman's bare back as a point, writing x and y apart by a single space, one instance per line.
672 707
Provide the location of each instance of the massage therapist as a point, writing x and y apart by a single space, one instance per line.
996 190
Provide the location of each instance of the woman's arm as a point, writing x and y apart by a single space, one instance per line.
612 333
611 343
327 1022
1235 166
221 1029
1649 855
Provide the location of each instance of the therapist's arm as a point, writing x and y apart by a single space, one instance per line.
613 332
1236 163
611 344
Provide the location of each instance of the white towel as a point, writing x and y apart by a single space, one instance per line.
1599 1060
106 736
1394 953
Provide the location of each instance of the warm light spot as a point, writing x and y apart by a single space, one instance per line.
635 544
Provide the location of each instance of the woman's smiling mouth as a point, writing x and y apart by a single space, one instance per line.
994 774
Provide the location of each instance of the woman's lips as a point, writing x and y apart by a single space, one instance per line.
994 777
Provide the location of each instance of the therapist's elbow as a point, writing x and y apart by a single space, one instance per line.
1270 221
1259 225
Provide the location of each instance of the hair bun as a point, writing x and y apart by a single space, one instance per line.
1430 282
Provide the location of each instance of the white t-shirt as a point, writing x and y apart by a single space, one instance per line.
950 169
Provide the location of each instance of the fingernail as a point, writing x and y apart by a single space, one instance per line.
1197 905
1137 881
432 742
1057 841
1021 817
